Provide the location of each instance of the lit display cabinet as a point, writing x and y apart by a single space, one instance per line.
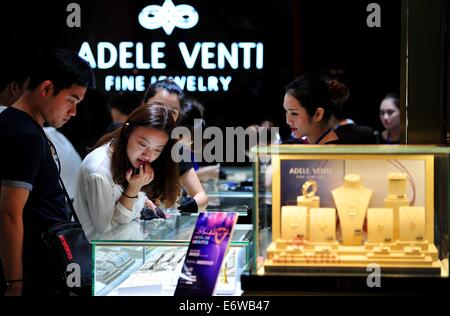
233 192
344 212
146 257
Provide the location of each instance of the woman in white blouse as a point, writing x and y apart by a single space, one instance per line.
127 168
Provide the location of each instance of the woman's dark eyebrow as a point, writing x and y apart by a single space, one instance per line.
145 139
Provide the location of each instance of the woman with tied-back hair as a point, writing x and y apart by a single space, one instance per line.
346 129
308 104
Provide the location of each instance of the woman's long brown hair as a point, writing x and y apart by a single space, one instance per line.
165 185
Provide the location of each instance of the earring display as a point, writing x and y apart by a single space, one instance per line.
322 225
412 223
352 200
396 198
380 225
397 185
293 222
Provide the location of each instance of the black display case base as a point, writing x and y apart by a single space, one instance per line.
310 284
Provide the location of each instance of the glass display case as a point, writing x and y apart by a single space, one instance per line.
233 188
232 192
343 212
146 257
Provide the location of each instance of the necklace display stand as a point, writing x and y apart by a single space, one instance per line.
352 200
396 198
322 227
310 241
412 223
293 222
380 225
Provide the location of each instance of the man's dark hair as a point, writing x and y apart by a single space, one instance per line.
63 68
125 102
165 84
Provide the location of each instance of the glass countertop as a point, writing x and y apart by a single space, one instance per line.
177 229
229 189
242 210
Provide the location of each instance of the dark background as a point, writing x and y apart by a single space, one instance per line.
324 37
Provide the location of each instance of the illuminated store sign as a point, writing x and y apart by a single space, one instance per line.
204 56
168 16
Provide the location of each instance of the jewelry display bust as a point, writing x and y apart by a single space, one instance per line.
322 225
352 200
380 225
412 223
293 222
396 197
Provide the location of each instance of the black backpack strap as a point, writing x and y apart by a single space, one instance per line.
69 201
55 157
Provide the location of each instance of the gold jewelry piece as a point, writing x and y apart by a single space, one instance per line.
381 222
224 273
352 207
412 221
380 226
309 184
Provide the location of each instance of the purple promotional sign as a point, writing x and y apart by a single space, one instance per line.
206 253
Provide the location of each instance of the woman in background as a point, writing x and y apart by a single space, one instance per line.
345 128
168 94
390 117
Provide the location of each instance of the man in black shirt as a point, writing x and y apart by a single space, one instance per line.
31 199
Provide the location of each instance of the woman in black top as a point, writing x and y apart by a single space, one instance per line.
344 127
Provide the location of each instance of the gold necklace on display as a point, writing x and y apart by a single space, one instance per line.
412 222
296 223
381 222
352 213
322 227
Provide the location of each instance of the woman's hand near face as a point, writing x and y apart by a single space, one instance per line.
142 178
149 204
